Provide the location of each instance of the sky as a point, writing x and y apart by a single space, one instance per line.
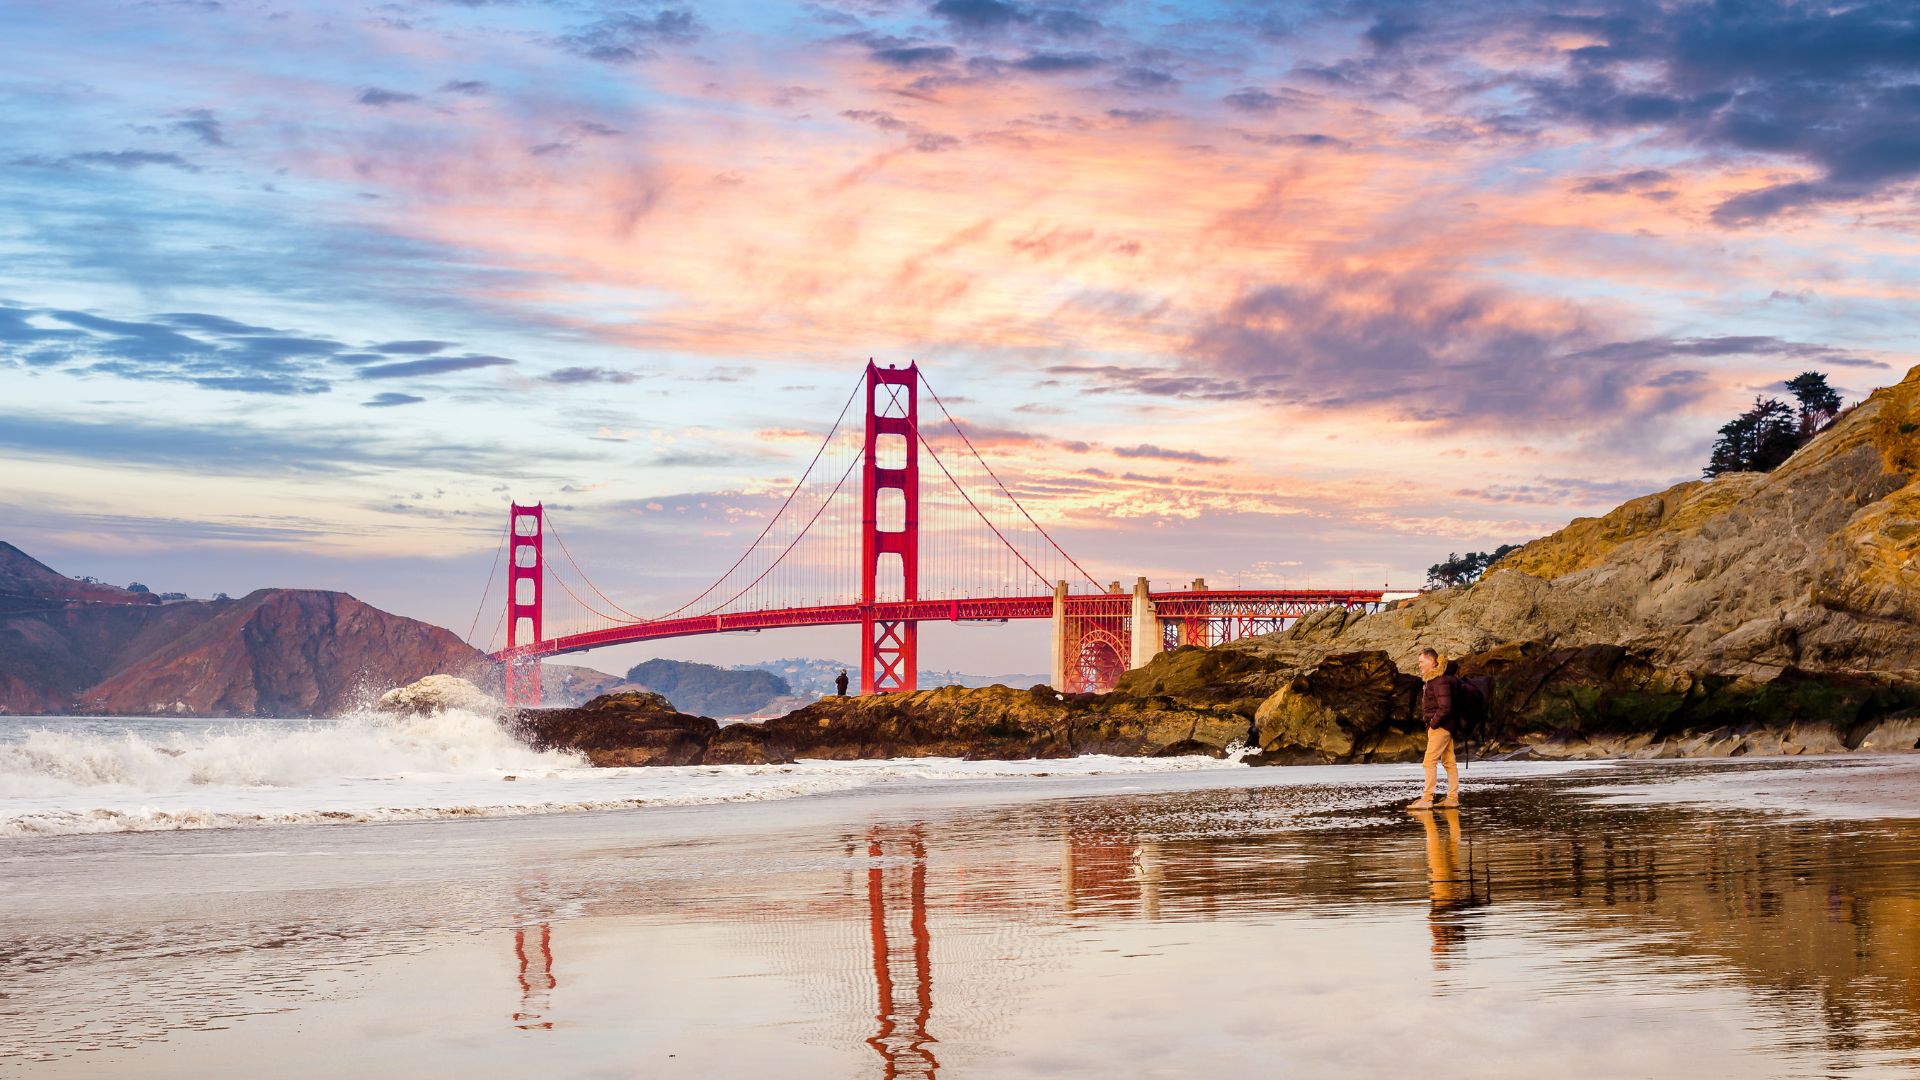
300 294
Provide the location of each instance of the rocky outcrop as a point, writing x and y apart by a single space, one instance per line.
1813 567
1547 701
1352 705
632 728
1586 702
994 722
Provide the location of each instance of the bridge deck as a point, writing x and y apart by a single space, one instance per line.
1205 604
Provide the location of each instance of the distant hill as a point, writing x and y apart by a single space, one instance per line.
707 690
27 584
69 645
810 678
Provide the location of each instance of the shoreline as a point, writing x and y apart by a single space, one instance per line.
164 776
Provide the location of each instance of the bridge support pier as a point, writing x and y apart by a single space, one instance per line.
1145 631
1058 675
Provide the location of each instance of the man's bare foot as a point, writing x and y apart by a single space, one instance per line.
1420 804
1451 800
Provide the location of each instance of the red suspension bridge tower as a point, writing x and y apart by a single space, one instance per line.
890 528
526 580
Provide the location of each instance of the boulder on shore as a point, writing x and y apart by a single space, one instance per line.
637 727
1350 707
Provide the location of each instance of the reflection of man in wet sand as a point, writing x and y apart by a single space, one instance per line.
1448 887
1436 705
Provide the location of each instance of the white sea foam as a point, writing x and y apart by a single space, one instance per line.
64 776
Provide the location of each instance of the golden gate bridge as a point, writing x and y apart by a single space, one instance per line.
928 532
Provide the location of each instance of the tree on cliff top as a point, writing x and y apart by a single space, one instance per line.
1763 437
1465 569
1755 441
1818 402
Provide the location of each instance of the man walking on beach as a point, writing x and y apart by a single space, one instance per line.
1436 705
840 684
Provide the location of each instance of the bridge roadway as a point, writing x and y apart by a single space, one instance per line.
1203 604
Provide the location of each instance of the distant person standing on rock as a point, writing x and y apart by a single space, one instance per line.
840 684
1437 706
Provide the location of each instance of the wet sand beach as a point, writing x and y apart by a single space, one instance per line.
1689 919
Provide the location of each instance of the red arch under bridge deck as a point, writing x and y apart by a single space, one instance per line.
928 533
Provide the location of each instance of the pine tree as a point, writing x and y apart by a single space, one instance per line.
1757 440
1465 569
1776 434
1818 402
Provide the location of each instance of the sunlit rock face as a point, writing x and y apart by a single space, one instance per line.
1814 566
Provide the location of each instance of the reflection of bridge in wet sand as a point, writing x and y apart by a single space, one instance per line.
903 1005
537 980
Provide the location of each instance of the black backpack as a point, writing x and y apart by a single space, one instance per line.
1470 696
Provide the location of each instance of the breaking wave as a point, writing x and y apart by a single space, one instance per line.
67 775
54 762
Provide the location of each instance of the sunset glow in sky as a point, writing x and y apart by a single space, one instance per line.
300 293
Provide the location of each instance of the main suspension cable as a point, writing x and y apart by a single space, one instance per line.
492 572
1003 487
708 591
575 563
784 552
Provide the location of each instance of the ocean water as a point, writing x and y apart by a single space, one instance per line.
66 775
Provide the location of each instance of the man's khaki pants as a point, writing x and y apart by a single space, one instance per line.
1440 749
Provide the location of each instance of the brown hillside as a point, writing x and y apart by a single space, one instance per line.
69 646
282 652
